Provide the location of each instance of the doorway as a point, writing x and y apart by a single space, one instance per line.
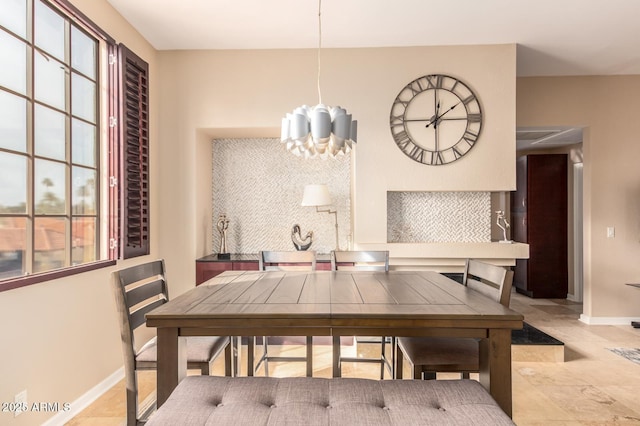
563 139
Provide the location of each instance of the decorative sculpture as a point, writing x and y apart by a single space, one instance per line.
298 242
223 225
500 217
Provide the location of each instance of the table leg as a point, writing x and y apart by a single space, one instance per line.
336 356
495 367
172 362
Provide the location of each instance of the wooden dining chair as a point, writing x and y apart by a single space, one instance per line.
284 261
138 290
363 261
430 355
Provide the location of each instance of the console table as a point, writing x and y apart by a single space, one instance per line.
209 266
635 324
441 257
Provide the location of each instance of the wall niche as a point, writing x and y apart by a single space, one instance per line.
438 217
258 185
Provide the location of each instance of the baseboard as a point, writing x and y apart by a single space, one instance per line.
607 320
85 400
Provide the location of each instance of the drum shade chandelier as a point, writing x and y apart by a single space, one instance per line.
320 130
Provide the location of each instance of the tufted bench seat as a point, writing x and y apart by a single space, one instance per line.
208 400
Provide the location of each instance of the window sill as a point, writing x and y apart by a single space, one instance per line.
27 280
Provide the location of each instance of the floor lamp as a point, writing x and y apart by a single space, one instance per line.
317 196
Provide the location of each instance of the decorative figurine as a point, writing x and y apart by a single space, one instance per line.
223 225
299 242
500 217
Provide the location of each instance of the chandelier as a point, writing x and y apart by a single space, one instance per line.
321 130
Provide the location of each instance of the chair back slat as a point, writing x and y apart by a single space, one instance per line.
287 261
489 280
153 289
360 260
137 318
140 272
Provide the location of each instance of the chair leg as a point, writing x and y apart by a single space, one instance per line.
251 347
429 375
309 356
383 357
465 375
416 372
392 364
236 343
205 368
132 406
228 358
399 361
265 356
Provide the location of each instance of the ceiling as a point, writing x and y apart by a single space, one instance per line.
530 138
553 37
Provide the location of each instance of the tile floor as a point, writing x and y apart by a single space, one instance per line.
593 386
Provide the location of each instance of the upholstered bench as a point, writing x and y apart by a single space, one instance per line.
208 400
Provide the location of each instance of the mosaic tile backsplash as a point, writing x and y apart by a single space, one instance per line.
436 217
258 184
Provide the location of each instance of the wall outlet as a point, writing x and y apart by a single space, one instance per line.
611 232
20 401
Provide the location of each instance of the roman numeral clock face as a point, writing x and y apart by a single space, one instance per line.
436 119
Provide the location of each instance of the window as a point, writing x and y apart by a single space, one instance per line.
61 126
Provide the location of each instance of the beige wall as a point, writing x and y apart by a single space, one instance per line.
61 338
608 107
241 93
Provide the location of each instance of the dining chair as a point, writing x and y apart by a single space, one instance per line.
138 290
430 355
372 260
284 261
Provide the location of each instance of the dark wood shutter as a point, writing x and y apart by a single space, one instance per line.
134 138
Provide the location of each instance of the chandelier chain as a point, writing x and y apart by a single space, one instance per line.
319 46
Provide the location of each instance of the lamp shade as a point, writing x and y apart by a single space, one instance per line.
316 195
319 131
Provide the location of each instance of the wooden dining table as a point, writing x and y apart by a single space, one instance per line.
326 303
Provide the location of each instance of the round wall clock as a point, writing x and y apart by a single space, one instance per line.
436 119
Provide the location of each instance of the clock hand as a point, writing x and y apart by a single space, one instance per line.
434 117
435 122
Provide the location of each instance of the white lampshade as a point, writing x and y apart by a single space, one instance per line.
319 131
316 195
320 123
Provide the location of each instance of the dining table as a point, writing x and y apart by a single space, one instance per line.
336 303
